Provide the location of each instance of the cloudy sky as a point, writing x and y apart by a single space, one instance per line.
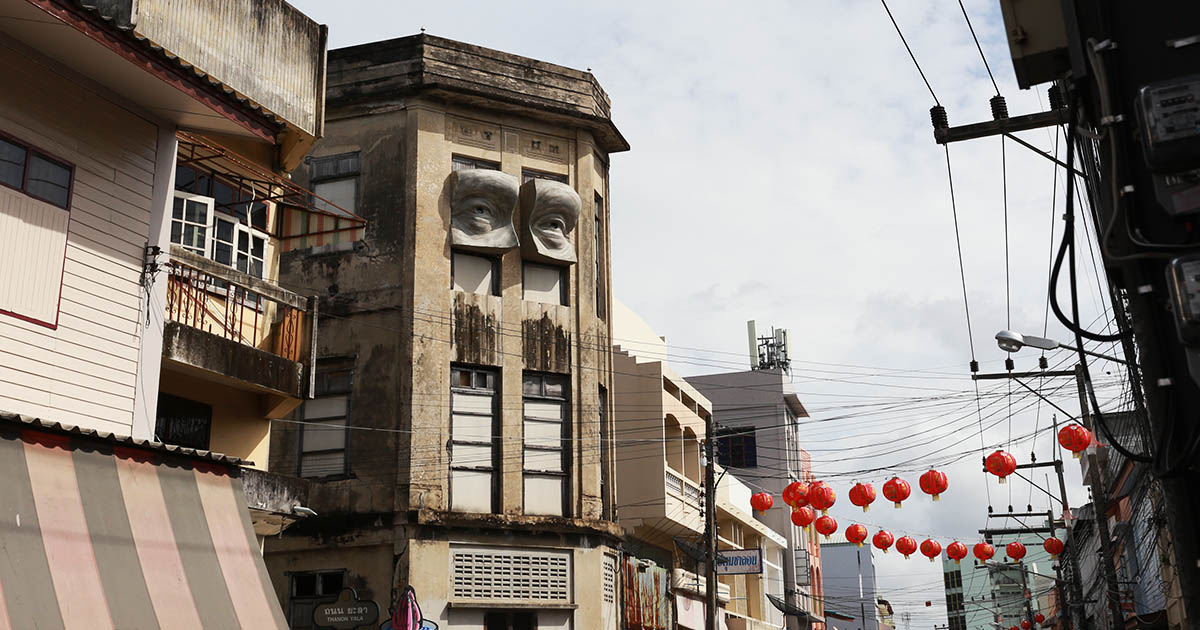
783 169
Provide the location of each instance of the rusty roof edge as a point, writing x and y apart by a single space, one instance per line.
62 428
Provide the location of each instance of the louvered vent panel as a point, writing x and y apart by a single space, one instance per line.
491 574
610 580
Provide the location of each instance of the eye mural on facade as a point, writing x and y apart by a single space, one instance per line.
482 204
549 213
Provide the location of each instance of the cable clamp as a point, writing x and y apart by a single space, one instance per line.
1127 190
1112 120
1164 382
1107 44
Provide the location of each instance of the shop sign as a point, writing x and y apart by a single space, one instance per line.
347 613
739 562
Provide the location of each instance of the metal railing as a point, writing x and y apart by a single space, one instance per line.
207 296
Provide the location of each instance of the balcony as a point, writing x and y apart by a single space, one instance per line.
230 327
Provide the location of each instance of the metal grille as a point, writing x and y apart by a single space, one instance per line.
491 574
610 580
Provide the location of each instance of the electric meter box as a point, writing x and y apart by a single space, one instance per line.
1169 124
1183 281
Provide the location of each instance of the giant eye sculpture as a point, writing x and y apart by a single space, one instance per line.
482 203
549 212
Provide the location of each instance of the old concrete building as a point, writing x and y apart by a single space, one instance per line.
457 442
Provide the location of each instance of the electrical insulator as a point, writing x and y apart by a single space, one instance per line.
1057 100
1009 365
1043 363
999 107
937 115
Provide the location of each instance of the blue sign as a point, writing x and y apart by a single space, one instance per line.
739 562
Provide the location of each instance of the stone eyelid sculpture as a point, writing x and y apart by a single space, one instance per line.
482 203
549 213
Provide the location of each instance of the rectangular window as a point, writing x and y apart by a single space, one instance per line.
529 174
183 422
605 453
36 174
471 273
334 179
546 433
327 420
35 196
473 439
219 218
308 589
598 255
463 163
509 620
544 283
737 448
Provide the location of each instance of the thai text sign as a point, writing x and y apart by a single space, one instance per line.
347 613
739 561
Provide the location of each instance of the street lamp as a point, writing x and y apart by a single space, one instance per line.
1010 341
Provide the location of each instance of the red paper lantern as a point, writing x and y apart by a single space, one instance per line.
906 545
1000 464
882 540
896 490
1014 628
804 516
1015 550
956 551
826 525
1053 546
1074 438
984 552
1025 625
934 483
796 494
1039 618
821 496
862 495
761 501
931 549
856 534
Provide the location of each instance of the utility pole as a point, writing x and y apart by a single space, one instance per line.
710 528
1100 505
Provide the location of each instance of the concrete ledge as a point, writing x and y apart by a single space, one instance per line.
258 369
529 524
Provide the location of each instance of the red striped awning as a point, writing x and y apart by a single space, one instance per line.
97 534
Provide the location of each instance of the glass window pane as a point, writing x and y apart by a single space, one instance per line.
256 268
203 183
531 385
470 455
222 253
224 230
258 215
543 283
470 491
177 209
222 192
12 163
318 437
304 585
548 461
331 582
325 407
185 178
257 246
196 212
473 274
176 232
460 378
471 403
195 237
543 495
544 409
471 428
48 180
340 192
555 387
544 434
322 464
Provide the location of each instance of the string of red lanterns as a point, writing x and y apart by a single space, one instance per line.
862 495
896 490
934 483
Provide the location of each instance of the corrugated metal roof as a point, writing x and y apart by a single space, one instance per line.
38 424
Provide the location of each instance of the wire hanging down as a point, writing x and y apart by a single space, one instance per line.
910 52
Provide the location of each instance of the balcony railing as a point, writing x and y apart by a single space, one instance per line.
682 488
239 308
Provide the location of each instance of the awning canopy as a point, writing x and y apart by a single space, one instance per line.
96 532
788 609
305 214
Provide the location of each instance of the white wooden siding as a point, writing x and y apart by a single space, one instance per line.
85 371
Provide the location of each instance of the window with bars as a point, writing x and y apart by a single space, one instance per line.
501 574
326 419
474 433
464 163
546 434
308 589
531 174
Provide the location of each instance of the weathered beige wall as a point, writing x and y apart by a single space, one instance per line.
239 427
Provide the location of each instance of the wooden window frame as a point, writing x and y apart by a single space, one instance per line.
494 443
565 439
332 364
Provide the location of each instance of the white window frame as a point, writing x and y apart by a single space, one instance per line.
209 221
239 227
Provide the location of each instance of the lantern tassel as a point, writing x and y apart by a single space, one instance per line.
931 560
866 508
937 497
859 544
1002 480
897 505
1078 454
